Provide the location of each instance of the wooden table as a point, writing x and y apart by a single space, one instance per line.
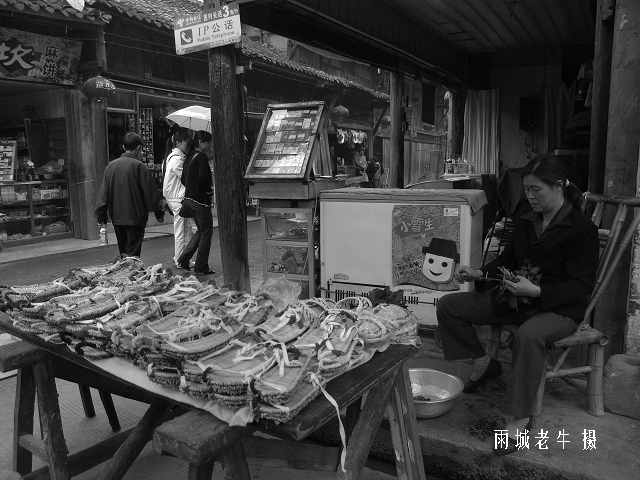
382 382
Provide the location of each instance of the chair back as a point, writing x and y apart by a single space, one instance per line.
611 250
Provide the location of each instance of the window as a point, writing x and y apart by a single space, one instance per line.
428 104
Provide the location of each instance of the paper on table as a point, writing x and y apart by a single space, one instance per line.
123 369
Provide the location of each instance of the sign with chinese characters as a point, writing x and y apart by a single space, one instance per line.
286 141
426 246
210 28
38 58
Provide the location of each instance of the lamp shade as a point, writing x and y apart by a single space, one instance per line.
340 111
98 88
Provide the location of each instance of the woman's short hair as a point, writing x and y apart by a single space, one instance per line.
201 136
131 141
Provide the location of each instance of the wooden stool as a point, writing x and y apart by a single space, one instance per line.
200 438
35 374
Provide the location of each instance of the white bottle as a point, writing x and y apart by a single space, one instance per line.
103 235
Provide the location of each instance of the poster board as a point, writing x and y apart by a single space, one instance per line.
8 157
288 142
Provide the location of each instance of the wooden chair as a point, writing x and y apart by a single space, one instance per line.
611 250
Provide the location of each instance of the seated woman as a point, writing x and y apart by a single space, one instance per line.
558 245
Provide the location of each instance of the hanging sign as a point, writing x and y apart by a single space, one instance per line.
213 27
38 58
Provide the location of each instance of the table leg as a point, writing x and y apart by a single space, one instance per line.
23 418
133 445
50 421
366 427
404 431
234 462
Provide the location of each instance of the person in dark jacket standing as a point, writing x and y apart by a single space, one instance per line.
196 177
128 193
554 249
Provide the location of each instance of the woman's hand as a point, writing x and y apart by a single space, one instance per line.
523 287
462 273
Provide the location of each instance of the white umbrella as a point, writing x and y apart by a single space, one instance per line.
194 117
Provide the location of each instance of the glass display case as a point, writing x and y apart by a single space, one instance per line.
30 211
289 246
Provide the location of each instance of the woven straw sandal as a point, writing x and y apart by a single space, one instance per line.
308 390
373 332
277 385
222 333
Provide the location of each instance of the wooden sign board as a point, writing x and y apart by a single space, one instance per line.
288 143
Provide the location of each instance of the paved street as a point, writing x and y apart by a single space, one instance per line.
155 250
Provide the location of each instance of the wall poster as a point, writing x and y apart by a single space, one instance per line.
38 58
425 246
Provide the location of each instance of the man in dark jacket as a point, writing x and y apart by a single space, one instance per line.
128 193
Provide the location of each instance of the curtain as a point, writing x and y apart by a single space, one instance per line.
481 144
558 111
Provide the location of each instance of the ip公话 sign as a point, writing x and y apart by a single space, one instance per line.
207 29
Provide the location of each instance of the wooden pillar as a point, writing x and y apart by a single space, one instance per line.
632 331
86 138
600 94
623 135
228 167
457 120
396 163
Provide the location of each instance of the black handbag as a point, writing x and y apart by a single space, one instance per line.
184 211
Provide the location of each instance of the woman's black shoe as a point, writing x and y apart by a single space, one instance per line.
183 266
494 369
512 443
207 272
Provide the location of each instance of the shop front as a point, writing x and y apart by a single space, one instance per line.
37 75
144 110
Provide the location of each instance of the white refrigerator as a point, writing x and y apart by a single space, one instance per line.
409 239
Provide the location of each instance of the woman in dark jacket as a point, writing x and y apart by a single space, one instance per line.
557 247
196 177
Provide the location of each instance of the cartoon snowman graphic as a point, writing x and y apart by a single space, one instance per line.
440 258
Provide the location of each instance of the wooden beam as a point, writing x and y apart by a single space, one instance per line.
396 164
600 98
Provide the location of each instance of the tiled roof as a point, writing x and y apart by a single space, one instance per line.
58 7
161 13
251 48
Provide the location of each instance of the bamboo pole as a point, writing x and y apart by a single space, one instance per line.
595 402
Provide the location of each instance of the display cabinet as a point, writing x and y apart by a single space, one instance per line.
34 211
288 247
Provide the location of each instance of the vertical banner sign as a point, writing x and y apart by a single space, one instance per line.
213 27
426 246
38 58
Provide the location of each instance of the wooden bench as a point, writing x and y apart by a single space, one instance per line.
364 394
35 374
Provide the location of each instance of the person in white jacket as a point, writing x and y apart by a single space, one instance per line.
173 191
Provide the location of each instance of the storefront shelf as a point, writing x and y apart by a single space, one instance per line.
35 214
14 220
37 239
